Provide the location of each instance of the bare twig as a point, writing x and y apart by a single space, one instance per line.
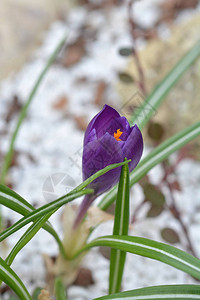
138 208
175 212
141 82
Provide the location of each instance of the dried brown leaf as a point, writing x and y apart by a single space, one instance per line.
81 122
84 277
74 53
60 103
100 92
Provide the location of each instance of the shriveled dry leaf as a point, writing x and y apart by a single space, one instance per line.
84 277
100 92
81 122
96 216
60 103
74 53
14 108
44 295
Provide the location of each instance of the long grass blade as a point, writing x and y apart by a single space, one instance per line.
142 115
151 249
8 276
155 157
37 213
15 202
26 237
121 223
22 115
60 291
77 192
179 292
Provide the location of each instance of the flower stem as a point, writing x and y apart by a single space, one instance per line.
87 201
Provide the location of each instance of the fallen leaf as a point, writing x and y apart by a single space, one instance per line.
84 277
170 235
175 185
154 211
105 252
74 53
101 89
60 103
14 108
81 122
153 195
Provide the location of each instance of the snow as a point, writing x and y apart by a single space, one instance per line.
55 143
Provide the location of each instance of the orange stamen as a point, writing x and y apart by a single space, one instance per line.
118 134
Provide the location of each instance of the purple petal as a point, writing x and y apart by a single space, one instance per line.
133 147
122 124
97 155
101 122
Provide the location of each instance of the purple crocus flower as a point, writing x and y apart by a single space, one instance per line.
108 140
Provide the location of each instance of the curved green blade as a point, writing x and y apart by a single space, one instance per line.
60 291
121 223
23 112
77 192
151 249
8 276
14 201
37 213
164 292
27 236
155 157
163 88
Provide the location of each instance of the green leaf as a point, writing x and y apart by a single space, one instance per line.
126 78
15 202
37 213
170 236
121 223
8 276
27 236
144 113
36 293
23 112
151 249
98 174
75 193
60 292
159 154
154 211
153 195
165 292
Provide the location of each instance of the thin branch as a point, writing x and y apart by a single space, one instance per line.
141 83
175 212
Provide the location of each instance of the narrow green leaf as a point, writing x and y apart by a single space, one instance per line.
8 276
60 292
165 292
36 293
155 157
121 223
12 200
151 249
98 174
27 236
23 112
75 193
144 113
37 213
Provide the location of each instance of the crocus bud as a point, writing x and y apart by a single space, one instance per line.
108 140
